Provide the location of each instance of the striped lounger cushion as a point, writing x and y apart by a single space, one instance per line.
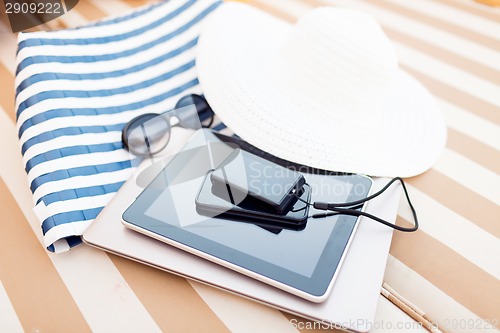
75 90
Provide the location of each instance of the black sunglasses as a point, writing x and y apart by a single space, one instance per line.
148 134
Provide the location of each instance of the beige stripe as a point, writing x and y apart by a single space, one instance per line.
451 58
241 314
169 299
455 29
450 272
455 77
38 28
454 16
53 25
470 174
474 150
468 6
454 96
89 10
7 92
458 198
454 231
471 125
73 19
39 296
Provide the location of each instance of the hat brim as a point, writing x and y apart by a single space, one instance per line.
403 136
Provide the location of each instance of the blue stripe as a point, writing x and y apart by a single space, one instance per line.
81 192
74 240
69 131
105 75
68 217
80 171
108 39
71 240
219 127
108 110
71 151
56 94
112 56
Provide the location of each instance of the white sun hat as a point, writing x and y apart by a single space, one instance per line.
326 92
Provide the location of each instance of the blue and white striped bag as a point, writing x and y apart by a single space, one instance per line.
75 90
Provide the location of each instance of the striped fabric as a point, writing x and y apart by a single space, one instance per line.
75 90
447 272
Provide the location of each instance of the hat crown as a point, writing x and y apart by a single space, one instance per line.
338 57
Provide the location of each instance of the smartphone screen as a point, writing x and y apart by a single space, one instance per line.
212 205
249 177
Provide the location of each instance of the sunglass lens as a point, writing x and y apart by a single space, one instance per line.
193 111
188 117
147 134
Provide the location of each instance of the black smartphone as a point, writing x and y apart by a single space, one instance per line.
245 176
213 205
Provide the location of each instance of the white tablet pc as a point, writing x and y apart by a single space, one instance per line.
304 263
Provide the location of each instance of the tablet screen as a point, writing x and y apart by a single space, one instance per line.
297 251
305 260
